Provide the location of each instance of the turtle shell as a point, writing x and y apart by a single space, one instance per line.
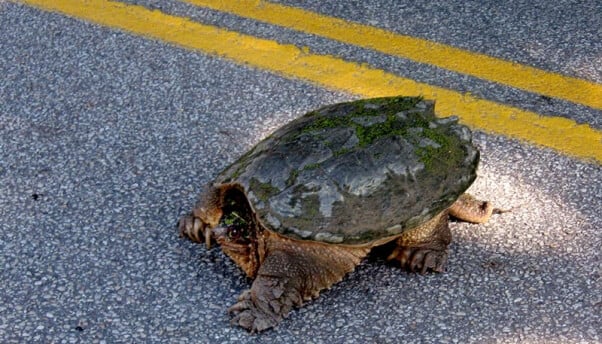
355 172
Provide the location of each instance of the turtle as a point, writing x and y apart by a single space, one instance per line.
303 207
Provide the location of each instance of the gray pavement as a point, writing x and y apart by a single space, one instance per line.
106 138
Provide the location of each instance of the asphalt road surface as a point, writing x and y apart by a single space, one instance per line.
106 137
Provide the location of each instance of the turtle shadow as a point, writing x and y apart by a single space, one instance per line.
484 296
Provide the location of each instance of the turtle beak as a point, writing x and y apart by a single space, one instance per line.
216 233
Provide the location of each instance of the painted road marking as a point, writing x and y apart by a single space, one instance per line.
559 133
420 50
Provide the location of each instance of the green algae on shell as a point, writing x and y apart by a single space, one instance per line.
357 171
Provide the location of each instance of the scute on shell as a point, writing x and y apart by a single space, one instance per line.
358 171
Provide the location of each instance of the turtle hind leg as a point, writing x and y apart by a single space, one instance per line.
424 248
293 272
468 208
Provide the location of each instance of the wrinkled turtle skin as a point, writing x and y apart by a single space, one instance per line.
307 204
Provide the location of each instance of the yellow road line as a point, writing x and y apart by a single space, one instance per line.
462 61
556 132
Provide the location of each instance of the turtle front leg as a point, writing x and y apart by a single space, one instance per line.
293 272
271 297
424 248
194 228
206 214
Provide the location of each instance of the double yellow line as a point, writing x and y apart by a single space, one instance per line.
420 50
556 132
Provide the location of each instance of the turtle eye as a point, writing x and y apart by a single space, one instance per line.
234 232
238 233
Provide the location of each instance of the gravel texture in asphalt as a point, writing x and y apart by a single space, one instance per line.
106 139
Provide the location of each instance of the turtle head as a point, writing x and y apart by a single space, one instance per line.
238 232
225 217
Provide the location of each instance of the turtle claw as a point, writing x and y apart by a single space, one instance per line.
194 229
419 259
430 260
253 321
244 302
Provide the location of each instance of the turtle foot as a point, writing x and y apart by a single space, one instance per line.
424 248
193 228
420 260
252 317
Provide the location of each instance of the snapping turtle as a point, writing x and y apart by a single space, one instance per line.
305 205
